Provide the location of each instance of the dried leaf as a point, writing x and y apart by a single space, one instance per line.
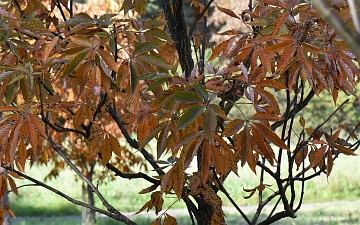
12 185
233 127
227 12
270 135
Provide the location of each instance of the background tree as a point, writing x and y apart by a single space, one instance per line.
73 86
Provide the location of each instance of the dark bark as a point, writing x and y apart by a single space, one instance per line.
174 15
175 18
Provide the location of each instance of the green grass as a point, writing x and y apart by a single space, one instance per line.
337 213
343 184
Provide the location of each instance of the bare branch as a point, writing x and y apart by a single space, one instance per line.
116 216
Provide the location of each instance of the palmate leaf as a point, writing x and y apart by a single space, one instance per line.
191 114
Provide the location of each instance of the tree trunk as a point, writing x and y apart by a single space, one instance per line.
7 220
87 215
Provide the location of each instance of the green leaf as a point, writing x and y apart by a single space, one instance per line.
146 46
201 91
184 96
189 116
152 23
13 48
156 60
155 76
156 83
133 75
157 33
75 20
74 63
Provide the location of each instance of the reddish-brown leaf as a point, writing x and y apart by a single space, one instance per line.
169 220
207 158
228 12
105 150
269 98
344 150
233 127
3 186
8 209
222 47
12 185
318 156
301 156
178 178
279 22
265 116
115 146
269 135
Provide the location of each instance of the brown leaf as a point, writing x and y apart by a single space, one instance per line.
227 12
149 189
3 186
318 156
233 127
12 185
115 146
301 156
11 213
270 135
105 150
269 98
344 150
169 220
207 159
265 116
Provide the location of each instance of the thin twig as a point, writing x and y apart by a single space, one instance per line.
132 175
119 217
199 17
133 143
223 190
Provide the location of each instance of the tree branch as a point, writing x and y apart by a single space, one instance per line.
175 18
116 216
132 176
199 17
133 143
223 190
